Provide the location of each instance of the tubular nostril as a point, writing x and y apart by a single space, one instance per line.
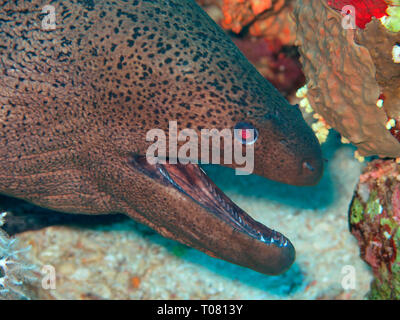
308 166
311 170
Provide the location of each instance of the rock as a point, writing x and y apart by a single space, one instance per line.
374 218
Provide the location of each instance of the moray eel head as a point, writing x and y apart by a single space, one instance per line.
207 83
197 213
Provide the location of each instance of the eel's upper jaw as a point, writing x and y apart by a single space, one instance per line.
268 251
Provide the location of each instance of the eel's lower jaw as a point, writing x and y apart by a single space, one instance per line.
194 183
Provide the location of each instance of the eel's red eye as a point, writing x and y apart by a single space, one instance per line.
245 133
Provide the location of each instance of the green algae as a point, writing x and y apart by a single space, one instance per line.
356 211
392 21
373 207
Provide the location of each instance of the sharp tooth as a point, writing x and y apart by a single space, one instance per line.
224 203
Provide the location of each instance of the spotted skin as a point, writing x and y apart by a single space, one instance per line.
76 103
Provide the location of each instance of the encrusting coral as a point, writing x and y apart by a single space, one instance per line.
15 273
353 80
374 218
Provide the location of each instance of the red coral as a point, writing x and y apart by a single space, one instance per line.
365 9
275 62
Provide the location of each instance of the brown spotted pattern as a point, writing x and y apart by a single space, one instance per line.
77 101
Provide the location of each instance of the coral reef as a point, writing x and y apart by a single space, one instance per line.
264 32
269 19
352 79
375 220
279 65
15 273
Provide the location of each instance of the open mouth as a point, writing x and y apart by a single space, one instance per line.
194 183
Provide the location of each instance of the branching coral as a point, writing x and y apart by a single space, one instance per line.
375 222
353 82
14 271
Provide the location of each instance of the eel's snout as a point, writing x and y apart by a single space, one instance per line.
295 159
264 258
272 261
311 170
306 171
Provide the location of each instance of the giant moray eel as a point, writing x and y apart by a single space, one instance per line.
76 103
